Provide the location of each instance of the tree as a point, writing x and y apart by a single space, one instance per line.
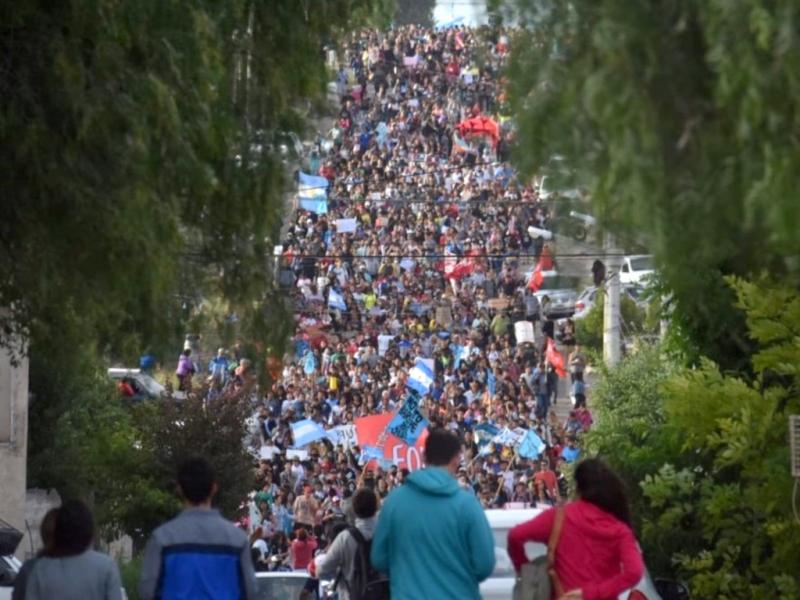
137 137
706 457
414 12
675 115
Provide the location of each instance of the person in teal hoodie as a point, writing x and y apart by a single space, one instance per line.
432 537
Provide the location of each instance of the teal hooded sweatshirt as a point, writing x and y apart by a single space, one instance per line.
433 539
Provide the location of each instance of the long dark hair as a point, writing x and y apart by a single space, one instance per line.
74 530
599 484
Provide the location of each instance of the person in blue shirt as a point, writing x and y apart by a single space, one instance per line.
432 537
570 452
218 367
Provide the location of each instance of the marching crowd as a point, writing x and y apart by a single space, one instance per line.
432 265
407 273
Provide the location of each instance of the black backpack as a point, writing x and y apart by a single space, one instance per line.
368 583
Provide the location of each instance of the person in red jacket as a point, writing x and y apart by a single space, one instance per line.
596 557
302 550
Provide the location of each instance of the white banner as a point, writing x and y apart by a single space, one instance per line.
292 452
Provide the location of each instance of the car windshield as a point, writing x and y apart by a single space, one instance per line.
503 566
280 588
642 263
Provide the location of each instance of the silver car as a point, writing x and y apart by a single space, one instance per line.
501 583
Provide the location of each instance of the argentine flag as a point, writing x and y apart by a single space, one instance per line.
312 193
306 432
420 377
336 300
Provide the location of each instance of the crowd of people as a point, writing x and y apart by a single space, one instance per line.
433 265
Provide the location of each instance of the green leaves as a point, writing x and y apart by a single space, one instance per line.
676 116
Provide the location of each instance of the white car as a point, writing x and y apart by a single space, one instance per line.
284 585
9 567
143 384
500 584
636 269
588 297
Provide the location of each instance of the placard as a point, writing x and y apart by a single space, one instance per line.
346 225
267 452
291 453
499 303
523 332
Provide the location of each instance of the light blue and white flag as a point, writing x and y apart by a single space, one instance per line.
508 437
420 377
336 300
484 434
309 363
306 432
312 193
531 445
409 423
369 453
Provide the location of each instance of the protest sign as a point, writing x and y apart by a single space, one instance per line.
523 332
444 316
499 303
345 225
267 452
293 452
369 430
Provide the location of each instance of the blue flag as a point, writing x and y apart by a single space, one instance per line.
312 193
336 300
409 423
531 445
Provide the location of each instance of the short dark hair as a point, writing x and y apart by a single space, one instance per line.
365 503
599 484
74 529
196 480
441 447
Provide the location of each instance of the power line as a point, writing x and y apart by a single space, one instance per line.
452 256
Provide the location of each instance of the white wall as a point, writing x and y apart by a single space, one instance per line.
13 440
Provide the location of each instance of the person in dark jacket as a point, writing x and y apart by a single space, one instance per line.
198 554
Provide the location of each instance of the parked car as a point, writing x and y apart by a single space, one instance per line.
561 302
144 386
9 567
588 297
500 584
636 269
286 585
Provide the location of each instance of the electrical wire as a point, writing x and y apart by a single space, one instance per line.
453 256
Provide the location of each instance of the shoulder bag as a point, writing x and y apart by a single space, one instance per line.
538 579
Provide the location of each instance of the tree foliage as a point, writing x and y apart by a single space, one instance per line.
414 12
137 139
709 454
676 115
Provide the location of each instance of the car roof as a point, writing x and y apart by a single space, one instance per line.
507 518
282 574
122 372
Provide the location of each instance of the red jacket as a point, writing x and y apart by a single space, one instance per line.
596 552
303 552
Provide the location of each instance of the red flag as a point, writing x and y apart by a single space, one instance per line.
536 279
555 358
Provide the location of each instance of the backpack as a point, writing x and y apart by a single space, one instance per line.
368 583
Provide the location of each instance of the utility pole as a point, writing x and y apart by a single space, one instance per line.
611 308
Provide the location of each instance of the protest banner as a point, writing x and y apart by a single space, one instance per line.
370 430
523 332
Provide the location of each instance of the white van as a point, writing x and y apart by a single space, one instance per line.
501 583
